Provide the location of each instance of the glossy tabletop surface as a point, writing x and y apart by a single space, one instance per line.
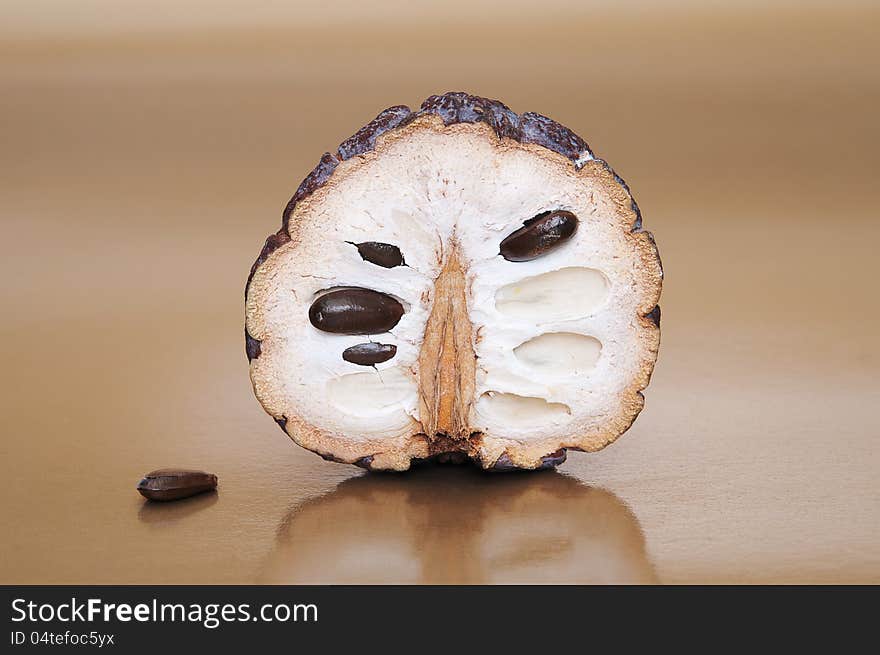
142 169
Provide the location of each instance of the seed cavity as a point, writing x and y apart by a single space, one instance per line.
562 294
371 393
369 354
539 236
381 254
354 310
526 411
174 484
559 354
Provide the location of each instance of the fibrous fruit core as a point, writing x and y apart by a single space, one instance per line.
460 282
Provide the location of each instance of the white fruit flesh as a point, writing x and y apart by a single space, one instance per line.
561 343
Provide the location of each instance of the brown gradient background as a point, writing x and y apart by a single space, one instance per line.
146 153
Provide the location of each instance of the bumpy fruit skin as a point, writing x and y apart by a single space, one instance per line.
527 128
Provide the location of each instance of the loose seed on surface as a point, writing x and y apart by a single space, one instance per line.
354 310
381 254
369 354
539 235
173 484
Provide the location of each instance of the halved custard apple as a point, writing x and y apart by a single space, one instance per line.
459 282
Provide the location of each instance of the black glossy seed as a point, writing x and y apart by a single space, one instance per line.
381 254
369 354
354 310
173 484
539 235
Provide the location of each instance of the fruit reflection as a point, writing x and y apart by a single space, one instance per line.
460 526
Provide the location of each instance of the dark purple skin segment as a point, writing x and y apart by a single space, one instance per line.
654 315
282 423
174 484
253 347
553 136
330 458
504 465
506 123
457 107
364 139
273 243
553 459
314 181
364 462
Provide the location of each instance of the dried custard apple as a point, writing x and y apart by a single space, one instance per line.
456 282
